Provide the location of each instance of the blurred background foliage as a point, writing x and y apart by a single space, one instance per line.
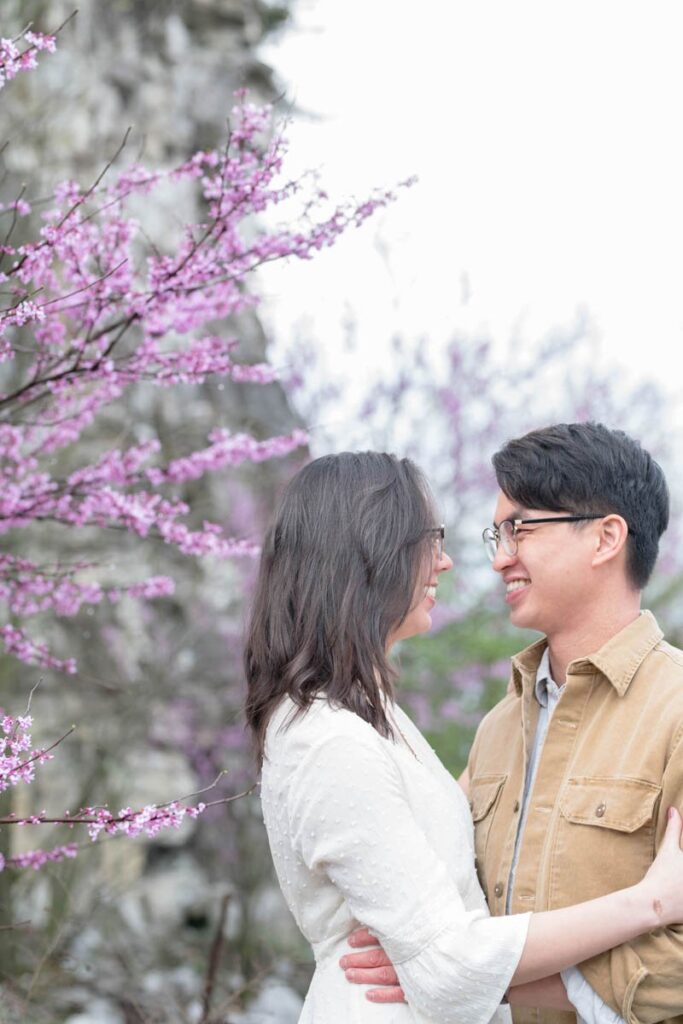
128 931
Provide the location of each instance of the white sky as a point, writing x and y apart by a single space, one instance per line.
547 140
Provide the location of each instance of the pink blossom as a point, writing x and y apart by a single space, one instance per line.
37 859
35 653
17 760
227 450
15 58
103 309
149 821
155 586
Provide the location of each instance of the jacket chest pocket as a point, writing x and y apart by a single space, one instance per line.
485 791
605 837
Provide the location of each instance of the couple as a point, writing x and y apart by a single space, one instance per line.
573 780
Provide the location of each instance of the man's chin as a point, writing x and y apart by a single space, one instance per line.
524 618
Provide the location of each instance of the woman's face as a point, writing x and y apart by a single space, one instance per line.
418 619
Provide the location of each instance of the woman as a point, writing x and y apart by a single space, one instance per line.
364 823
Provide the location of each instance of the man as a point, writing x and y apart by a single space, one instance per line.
571 774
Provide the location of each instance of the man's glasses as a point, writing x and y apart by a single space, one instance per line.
506 533
437 533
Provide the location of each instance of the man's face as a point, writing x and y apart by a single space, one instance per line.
549 581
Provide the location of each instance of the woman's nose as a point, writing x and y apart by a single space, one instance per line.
444 563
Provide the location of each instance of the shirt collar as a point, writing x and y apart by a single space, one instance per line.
544 679
618 660
621 657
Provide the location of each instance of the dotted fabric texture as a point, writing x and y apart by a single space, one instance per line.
369 830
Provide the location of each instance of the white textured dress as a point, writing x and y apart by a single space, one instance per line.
365 830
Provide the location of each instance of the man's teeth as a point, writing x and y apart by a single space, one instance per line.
516 585
430 592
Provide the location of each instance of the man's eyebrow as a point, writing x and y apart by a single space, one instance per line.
517 513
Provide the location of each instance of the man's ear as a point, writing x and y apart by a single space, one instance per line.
610 540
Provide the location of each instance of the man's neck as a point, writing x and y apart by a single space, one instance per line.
588 636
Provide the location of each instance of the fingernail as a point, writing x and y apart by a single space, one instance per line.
343 962
671 813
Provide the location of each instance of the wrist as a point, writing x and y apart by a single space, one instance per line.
647 907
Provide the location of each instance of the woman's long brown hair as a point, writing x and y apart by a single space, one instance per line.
339 568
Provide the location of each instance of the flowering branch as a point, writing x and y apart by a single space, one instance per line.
149 820
91 308
95 308
13 60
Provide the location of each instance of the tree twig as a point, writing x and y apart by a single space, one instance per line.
214 961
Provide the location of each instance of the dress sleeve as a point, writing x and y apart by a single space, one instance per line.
350 819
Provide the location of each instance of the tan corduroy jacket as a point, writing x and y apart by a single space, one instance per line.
611 765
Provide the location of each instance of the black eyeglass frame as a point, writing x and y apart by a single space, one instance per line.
493 533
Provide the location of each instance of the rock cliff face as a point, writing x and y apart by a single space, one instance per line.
124 933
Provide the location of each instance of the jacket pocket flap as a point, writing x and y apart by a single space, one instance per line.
621 804
483 793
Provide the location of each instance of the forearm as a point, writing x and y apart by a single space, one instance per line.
559 938
546 994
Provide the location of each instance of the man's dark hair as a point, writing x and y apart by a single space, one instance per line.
339 568
586 467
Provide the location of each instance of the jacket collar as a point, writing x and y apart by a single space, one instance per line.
618 660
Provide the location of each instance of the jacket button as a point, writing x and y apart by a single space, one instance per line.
600 810
498 891
516 807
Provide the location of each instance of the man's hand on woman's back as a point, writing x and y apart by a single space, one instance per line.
371 966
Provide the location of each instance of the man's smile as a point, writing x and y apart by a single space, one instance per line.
514 585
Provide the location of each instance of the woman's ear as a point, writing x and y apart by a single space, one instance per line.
610 540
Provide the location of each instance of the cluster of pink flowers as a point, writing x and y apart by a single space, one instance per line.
226 450
93 308
17 760
150 820
98 309
21 54
37 859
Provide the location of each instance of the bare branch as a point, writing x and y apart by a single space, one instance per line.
214 961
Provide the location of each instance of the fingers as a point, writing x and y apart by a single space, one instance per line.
372 976
375 957
386 995
362 937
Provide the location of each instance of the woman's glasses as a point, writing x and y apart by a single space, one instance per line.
437 534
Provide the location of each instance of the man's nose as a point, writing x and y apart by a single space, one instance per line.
503 560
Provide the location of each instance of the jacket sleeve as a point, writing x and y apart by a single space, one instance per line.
350 818
643 980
